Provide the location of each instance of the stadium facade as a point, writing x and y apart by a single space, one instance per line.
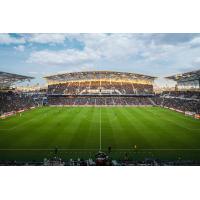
100 82
8 79
187 81
99 88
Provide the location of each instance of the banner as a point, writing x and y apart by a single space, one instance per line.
7 114
197 116
189 113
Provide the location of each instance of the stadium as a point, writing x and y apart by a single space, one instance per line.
100 118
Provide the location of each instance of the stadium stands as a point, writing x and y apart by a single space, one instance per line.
100 82
10 101
180 100
95 88
182 94
98 87
13 100
187 81
99 101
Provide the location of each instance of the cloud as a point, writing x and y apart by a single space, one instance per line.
171 38
20 48
195 41
45 38
97 47
42 38
6 38
113 46
62 57
153 54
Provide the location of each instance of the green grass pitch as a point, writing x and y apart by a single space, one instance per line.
82 131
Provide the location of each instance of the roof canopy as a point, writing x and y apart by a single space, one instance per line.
97 75
7 79
194 75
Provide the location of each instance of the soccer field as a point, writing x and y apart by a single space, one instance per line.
141 132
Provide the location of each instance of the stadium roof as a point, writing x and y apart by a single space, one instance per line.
97 75
194 75
7 79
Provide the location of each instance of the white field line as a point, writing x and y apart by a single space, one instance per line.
48 149
102 149
156 149
100 131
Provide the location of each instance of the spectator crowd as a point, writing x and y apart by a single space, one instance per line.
97 87
180 100
10 101
99 101
184 101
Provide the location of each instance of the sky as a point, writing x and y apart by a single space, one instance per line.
41 54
